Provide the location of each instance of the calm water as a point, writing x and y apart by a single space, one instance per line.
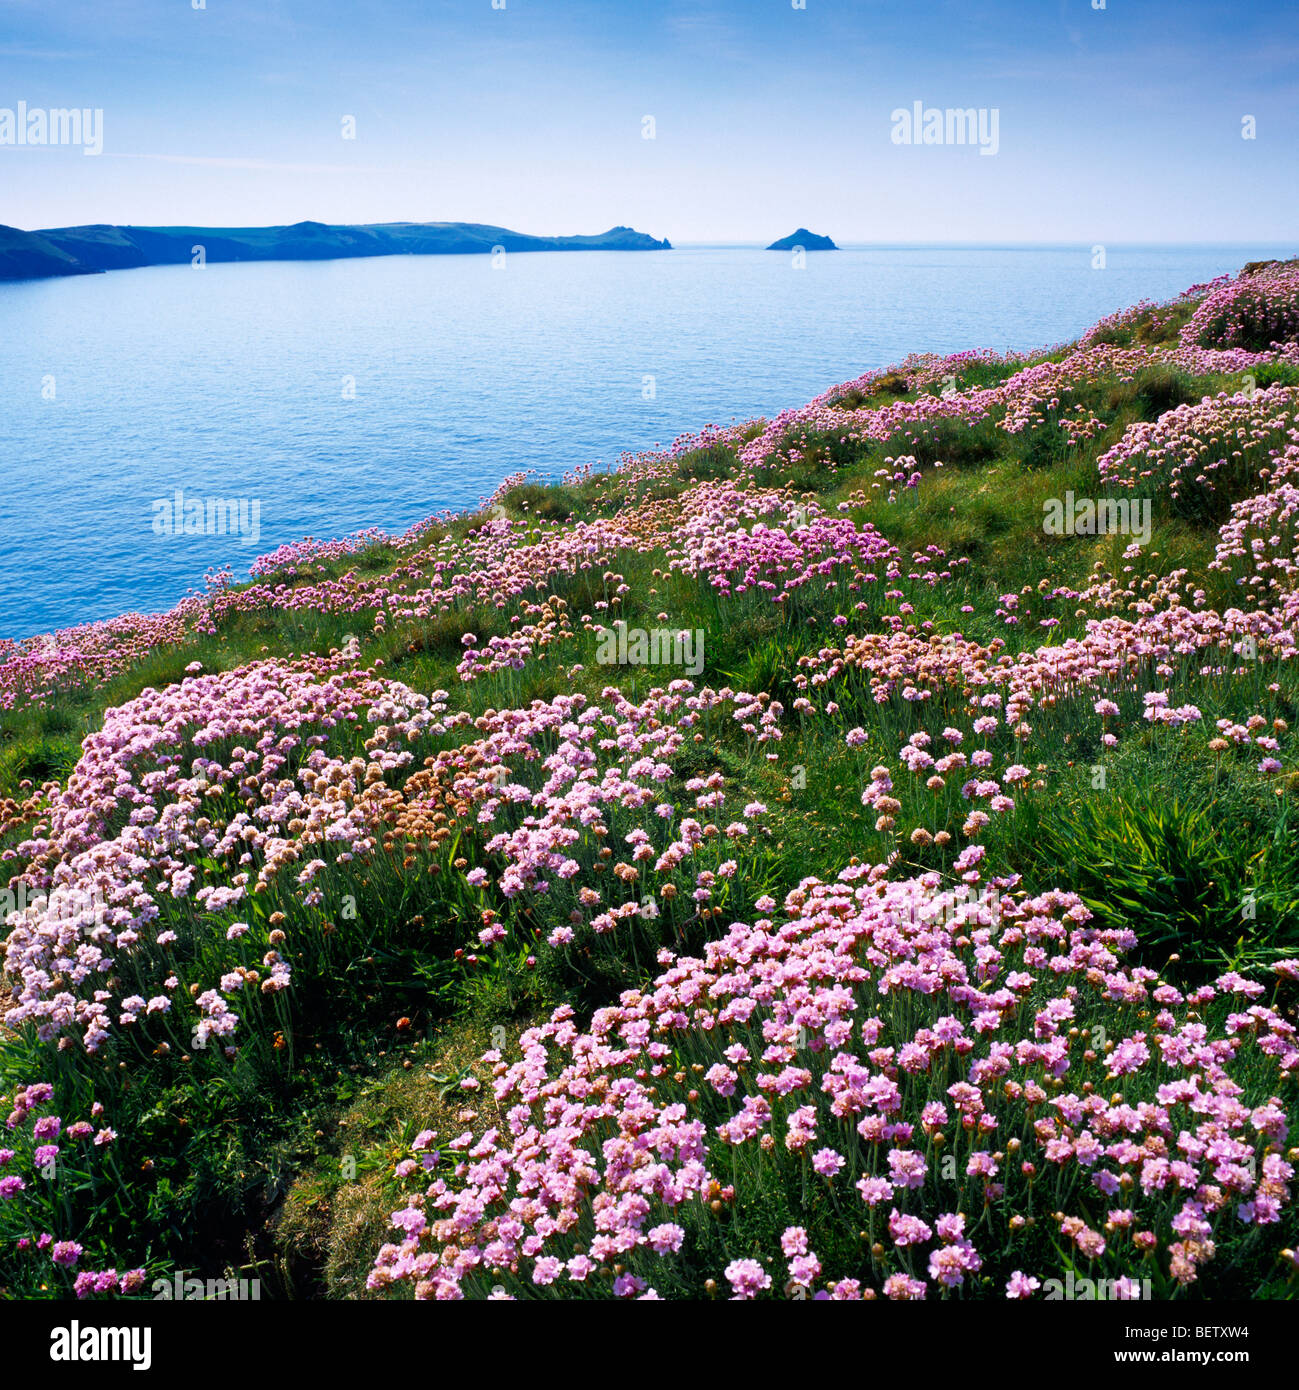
232 381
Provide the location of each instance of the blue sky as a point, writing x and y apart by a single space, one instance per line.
1118 124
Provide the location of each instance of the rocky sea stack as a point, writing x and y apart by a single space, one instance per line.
809 241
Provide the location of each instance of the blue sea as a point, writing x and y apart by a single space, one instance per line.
338 395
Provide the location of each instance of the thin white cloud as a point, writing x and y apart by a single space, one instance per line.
28 52
241 162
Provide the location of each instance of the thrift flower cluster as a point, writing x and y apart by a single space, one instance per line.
950 1075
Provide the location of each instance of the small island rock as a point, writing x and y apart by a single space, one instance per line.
809 241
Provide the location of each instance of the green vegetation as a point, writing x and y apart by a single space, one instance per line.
279 1160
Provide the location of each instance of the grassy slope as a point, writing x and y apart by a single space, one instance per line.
300 1173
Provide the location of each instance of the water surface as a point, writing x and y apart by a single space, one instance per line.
347 394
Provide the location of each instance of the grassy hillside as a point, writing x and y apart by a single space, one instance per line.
848 855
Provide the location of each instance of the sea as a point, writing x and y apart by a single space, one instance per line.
326 397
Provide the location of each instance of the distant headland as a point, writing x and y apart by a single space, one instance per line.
809 241
90 250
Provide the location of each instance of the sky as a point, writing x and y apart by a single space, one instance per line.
1116 124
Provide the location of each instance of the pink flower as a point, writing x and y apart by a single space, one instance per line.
907 1168
908 1230
827 1162
666 1239
874 1190
1021 1285
747 1278
794 1241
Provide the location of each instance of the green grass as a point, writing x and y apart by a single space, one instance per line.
280 1166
